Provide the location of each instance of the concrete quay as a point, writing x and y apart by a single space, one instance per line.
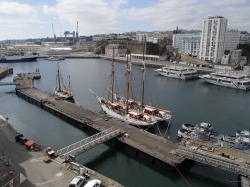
5 71
31 165
145 145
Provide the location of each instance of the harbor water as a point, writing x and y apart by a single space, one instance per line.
226 109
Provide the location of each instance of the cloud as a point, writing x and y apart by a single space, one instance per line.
188 14
14 14
93 16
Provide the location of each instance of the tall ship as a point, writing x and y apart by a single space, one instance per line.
178 72
18 58
130 110
228 79
62 91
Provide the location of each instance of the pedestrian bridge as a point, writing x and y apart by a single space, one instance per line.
214 160
88 143
8 83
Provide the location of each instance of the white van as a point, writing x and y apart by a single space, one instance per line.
77 181
93 183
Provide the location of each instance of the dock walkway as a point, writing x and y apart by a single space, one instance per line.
153 148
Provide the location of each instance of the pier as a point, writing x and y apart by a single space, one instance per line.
155 149
145 145
5 71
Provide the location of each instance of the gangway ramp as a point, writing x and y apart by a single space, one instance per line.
88 143
235 165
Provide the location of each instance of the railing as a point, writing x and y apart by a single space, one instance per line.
214 160
88 143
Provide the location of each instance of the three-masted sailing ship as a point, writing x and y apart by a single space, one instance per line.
63 92
129 110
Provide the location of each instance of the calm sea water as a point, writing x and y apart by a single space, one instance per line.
189 101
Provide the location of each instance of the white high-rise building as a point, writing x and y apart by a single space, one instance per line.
213 39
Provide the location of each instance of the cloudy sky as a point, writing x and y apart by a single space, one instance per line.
21 19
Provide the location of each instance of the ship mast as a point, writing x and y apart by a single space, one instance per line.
113 76
128 81
58 77
143 74
69 86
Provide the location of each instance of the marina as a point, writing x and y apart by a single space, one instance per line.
174 123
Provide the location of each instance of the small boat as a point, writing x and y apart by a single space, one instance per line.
188 126
37 74
52 58
228 79
61 58
63 92
178 72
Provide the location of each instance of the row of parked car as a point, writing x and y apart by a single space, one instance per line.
79 180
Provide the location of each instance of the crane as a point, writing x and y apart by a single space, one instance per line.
54 33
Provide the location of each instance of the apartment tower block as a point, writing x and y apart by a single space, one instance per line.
212 44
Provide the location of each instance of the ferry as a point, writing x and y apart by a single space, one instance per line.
178 72
18 58
228 79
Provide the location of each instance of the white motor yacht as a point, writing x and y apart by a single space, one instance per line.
235 80
178 72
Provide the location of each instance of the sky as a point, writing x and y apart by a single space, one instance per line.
23 19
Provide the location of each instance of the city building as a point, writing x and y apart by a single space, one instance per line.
244 38
233 58
232 39
119 50
212 44
189 45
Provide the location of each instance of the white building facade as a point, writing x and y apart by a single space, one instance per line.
213 39
189 45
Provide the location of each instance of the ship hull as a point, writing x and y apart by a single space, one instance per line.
124 118
229 85
18 59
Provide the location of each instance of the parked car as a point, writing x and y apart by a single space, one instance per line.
93 183
77 181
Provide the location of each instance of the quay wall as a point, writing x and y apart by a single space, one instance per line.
127 144
5 71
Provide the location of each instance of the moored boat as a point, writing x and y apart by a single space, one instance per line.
228 79
37 74
205 132
63 92
18 58
178 72
52 58
129 110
